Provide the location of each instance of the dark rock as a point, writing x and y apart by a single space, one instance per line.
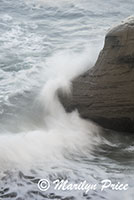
105 94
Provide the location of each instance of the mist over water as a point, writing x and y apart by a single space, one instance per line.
58 131
45 44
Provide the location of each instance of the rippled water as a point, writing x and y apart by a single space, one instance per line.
44 44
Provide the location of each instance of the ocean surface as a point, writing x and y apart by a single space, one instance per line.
44 44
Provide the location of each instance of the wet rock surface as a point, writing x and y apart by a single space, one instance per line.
105 94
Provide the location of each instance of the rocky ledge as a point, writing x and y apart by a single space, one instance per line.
105 93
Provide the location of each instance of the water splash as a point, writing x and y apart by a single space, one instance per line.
61 132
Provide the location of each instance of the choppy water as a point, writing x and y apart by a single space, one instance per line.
44 44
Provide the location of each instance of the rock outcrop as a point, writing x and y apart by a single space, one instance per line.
105 94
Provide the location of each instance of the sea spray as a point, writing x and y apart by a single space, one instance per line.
62 132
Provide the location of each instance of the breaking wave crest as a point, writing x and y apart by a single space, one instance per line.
61 132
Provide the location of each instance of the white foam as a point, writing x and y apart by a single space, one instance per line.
62 132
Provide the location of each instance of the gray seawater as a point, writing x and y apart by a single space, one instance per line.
44 44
